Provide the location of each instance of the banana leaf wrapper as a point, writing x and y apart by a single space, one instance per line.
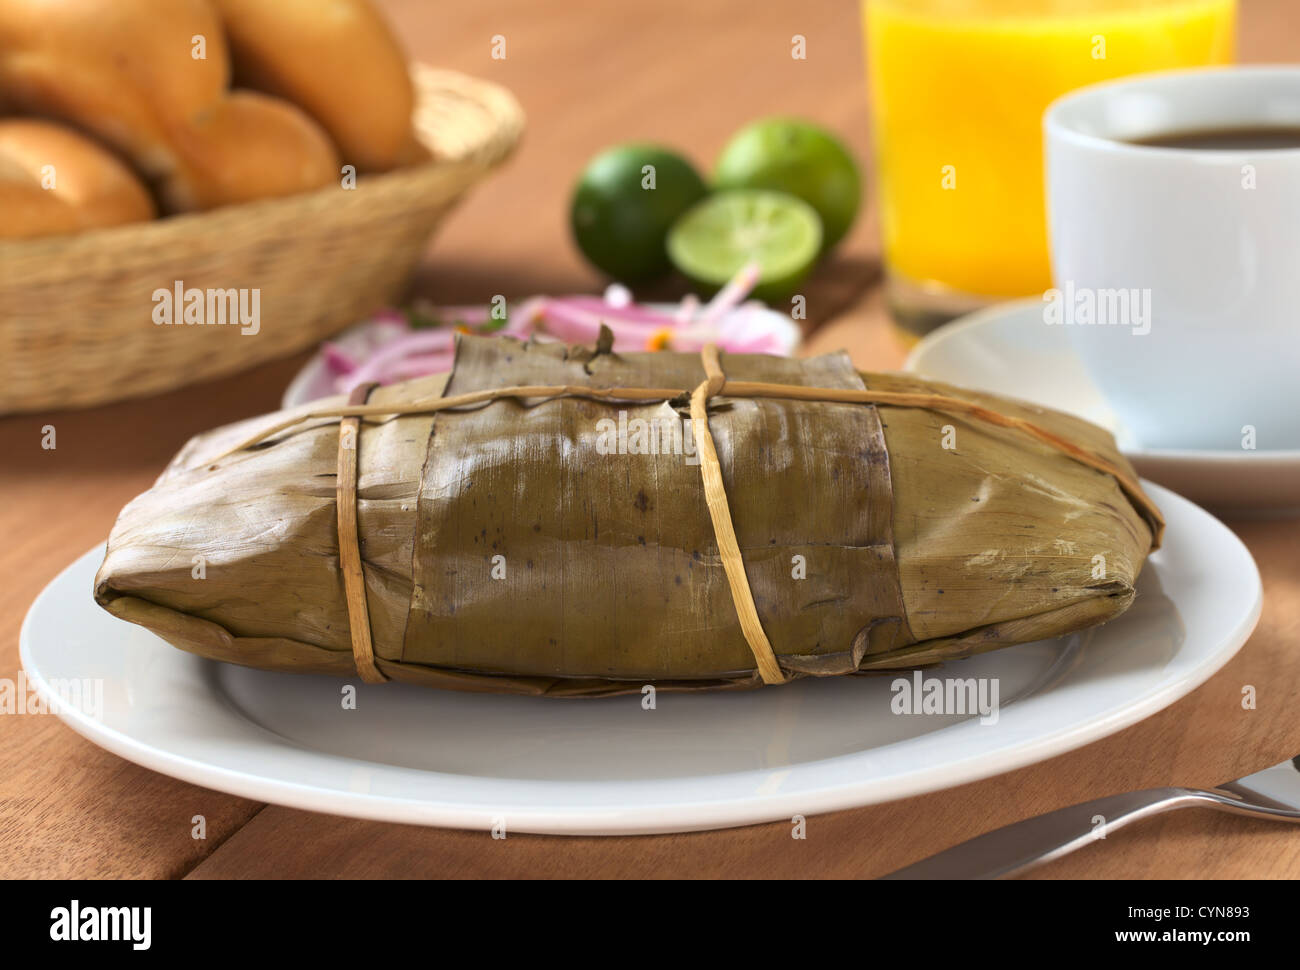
531 546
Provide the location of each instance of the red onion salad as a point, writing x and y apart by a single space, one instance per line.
398 346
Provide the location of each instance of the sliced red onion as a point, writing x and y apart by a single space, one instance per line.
398 352
337 359
686 310
376 366
635 315
730 295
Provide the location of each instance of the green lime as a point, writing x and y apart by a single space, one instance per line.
796 157
624 204
716 239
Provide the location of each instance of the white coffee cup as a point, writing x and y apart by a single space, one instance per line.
1189 259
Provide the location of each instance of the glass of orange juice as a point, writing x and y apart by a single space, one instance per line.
958 89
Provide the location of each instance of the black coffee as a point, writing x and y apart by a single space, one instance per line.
1260 138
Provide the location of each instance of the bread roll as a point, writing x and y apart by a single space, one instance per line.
130 72
339 62
250 146
124 70
55 181
28 209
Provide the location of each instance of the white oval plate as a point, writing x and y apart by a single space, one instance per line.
608 766
1008 349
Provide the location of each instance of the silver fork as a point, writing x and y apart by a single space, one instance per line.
1272 793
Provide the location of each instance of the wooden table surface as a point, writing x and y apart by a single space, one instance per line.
685 73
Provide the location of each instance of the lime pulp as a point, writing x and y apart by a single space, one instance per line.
728 230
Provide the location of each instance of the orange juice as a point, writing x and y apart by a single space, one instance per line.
958 91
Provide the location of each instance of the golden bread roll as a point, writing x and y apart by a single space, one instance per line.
55 181
250 146
124 70
338 61
29 210
130 72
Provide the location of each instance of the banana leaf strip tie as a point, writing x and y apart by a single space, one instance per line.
354 578
715 385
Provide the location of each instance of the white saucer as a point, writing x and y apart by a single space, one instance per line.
1008 349
608 766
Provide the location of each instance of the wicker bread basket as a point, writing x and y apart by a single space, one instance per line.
76 312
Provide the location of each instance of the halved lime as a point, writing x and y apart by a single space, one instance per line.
719 236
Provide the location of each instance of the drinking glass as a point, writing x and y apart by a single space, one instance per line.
958 89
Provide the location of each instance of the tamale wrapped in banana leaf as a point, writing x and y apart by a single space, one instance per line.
569 521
